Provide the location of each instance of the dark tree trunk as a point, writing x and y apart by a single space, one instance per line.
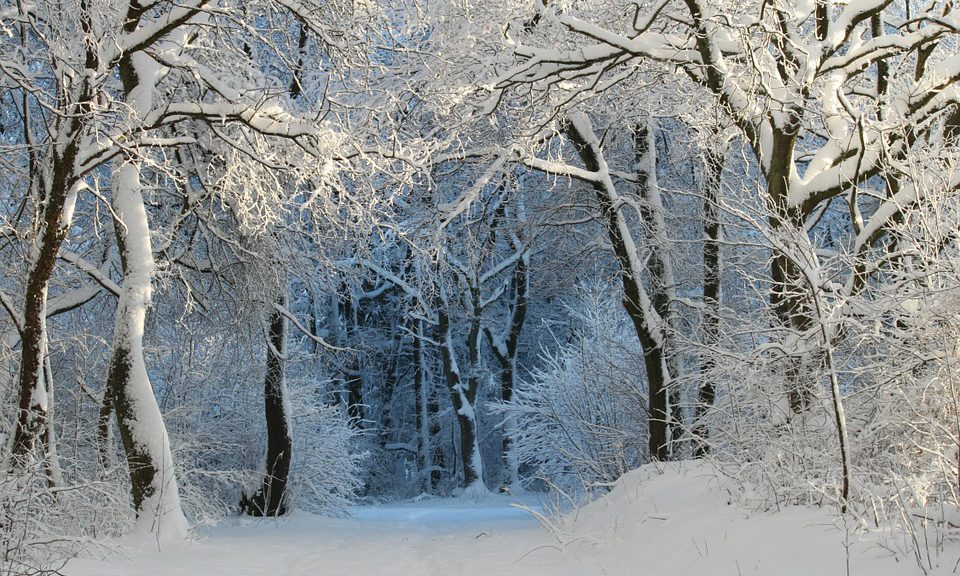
438 462
660 269
652 340
270 498
103 429
31 406
421 392
391 376
463 395
711 296
505 350
788 295
353 377
31 412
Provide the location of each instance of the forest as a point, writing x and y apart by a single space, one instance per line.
265 256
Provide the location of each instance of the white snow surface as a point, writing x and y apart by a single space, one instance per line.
676 519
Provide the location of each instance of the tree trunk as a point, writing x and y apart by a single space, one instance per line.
60 196
153 482
422 394
645 313
711 297
505 349
353 377
51 459
464 397
788 294
271 498
660 268
32 401
434 427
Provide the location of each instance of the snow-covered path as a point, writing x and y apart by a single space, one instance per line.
668 520
427 538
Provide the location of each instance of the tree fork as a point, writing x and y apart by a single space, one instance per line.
653 352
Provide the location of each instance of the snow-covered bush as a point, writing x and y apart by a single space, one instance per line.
213 406
581 415
73 504
43 526
891 346
25 527
326 470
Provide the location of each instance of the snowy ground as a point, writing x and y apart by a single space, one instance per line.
673 521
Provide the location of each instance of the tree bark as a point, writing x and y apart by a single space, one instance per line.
153 482
464 395
51 459
644 312
660 269
32 399
505 350
352 375
706 394
271 498
59 198
788 294
422 394
438 464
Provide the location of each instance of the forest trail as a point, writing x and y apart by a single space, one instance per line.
426 538
661 520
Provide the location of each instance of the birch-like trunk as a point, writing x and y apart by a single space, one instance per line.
153 483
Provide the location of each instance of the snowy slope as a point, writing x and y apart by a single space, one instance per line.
679 520
670 520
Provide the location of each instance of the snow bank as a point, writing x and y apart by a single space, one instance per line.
680 519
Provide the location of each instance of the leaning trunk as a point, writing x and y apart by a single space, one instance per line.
32 403
153 483
647 318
